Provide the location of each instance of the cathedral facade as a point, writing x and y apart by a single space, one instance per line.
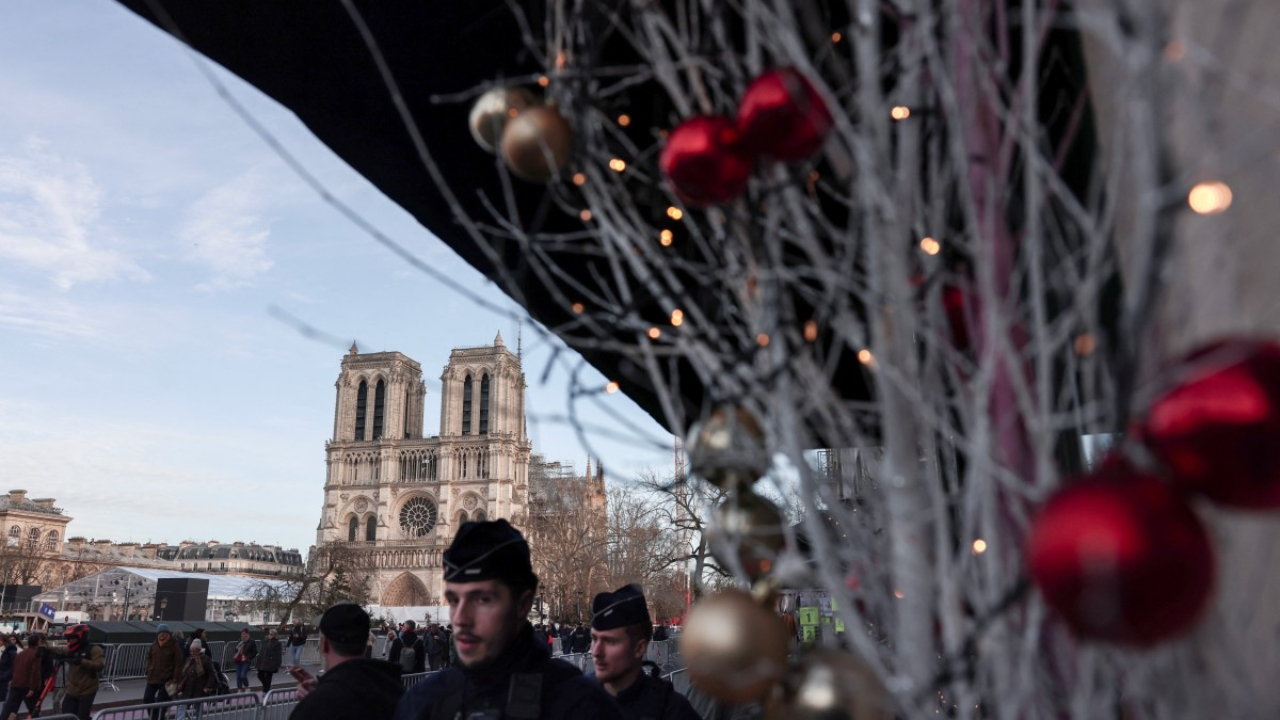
393 498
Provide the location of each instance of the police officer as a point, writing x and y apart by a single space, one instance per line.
620 634
502 673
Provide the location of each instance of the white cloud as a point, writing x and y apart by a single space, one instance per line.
226 232
52 317
49 211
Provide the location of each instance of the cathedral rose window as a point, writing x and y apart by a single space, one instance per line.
418 517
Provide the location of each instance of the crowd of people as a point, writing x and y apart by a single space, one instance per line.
488 663
502 665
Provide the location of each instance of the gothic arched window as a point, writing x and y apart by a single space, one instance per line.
379 409
462 517
371 529
466 406
479 516
51 541
362 399
484 404
353 527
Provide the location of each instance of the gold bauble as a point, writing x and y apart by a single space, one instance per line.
830 685
493 110
537 143
735 649
728 448
753 527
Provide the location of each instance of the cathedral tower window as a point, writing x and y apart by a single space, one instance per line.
371 529
362 399
484 404
480 516
406 413
379 409
462 517
466 406
353 527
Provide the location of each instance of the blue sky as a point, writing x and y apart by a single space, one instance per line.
145 233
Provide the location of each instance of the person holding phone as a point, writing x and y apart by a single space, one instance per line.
352 686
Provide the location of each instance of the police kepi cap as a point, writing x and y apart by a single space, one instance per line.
345 623
620 608
488 551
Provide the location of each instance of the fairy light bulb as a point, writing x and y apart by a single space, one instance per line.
900 112
1209 198
930 246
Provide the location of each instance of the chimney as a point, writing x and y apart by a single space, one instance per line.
127 549
75 544
17 496
148 551
102 546
46 503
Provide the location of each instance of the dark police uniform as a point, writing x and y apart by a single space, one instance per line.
648 698
524 683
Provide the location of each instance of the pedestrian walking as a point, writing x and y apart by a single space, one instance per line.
7 654
408 650
164 669
297 640
270 659
246 652
502 671
197 679
26 685
352 686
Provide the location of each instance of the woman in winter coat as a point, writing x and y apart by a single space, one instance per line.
246 651
270 659
197 679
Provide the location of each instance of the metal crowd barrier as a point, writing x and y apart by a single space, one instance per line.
582 661
380 647
219 707
680 679
279 704
414 678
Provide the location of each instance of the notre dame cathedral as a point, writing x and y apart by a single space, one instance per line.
393 497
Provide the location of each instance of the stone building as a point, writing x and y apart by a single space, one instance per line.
393 498
33 530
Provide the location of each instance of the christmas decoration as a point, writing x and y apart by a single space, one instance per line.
705 162
782 116
537 143
734 648
830 685
751 527
1218 431
492 111
1121 557
727 449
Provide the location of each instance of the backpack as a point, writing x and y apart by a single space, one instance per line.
408 655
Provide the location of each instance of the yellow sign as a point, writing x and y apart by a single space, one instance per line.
808 616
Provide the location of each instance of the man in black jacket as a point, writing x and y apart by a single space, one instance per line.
502 672
352 686
620 634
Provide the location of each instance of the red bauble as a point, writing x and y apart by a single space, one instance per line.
1121 557
704 160
1218 432
782 116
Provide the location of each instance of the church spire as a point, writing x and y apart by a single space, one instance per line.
497 341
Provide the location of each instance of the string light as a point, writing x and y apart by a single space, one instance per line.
900 112
666 237
578 308
836 36
654 333
579 179
611 388
677 317
1174 51
899 594
866 358
930 246
1085 344
618 164
762 340
979 546
675 213
1209 198
543 81
810 331
624 120
585 215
